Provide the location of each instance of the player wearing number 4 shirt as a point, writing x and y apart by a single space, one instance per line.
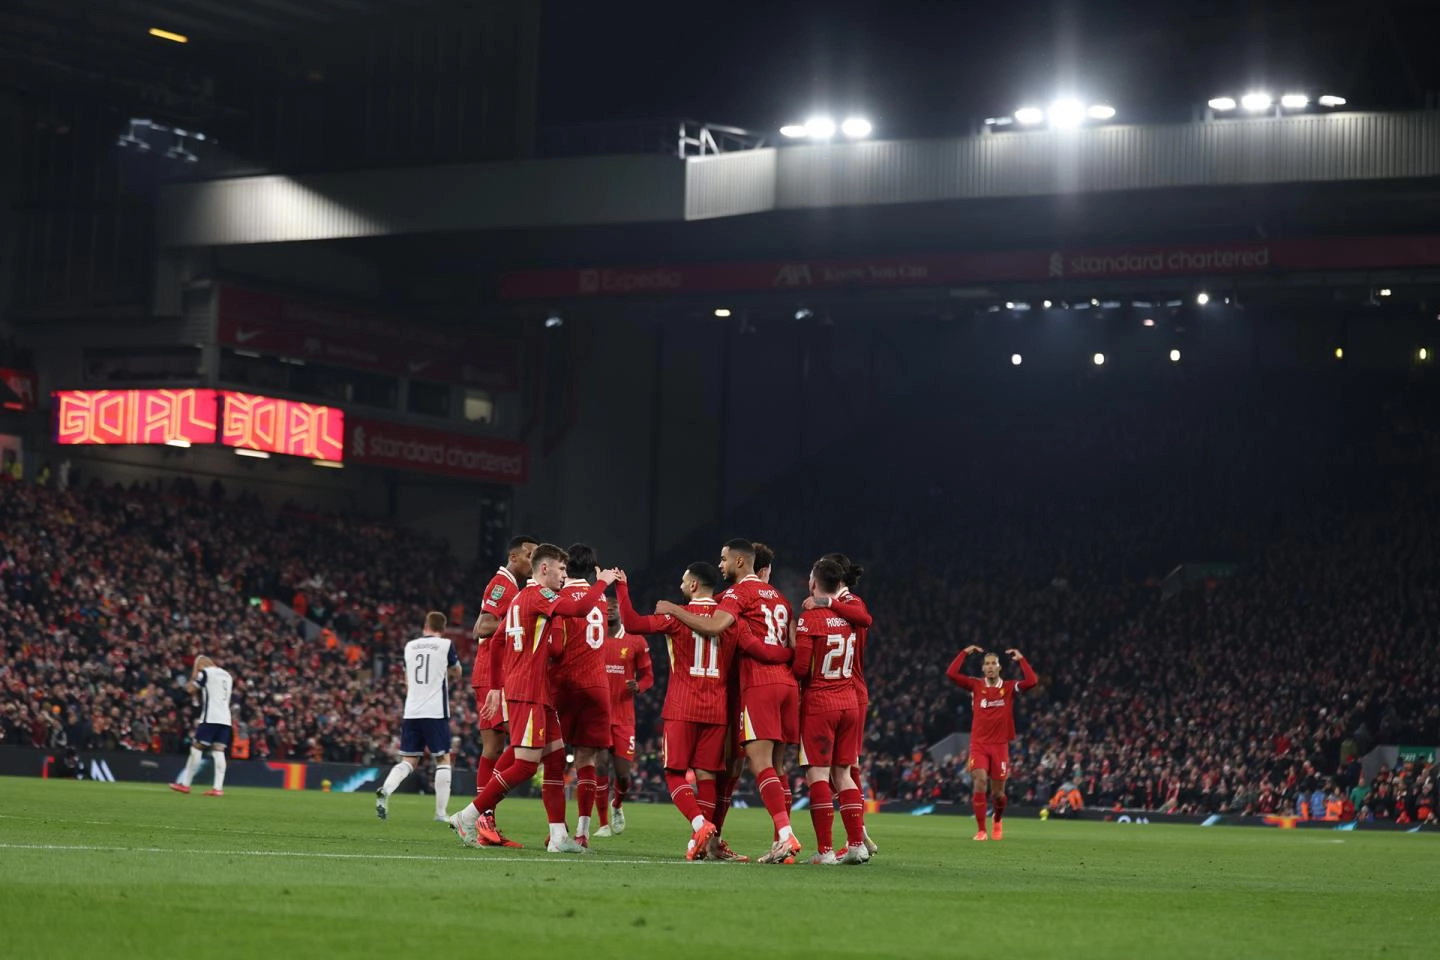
696 711
769 696
431 666
993 728
829 717
582 690
213 731
520 672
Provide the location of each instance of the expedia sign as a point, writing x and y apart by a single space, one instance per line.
487 459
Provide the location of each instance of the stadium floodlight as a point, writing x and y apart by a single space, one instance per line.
1147 322
722 312
553 320
1099 359
1174 356
1009 304
1423 354
1223 104
1294 101
856 128
1203 299
1330 100
804 313
252 454
1339 353
1016 359
170 35
1029 116
1100 111
180 442
329 464
1066 114
1049 304
793 130
1385 291
820 128
1256 102
999 121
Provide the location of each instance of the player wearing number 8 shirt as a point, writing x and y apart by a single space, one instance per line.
829 717
769 696
582 690
696 711
993 709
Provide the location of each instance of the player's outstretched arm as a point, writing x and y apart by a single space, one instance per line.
853 610
580 606
485 626
754 647
711 626
1028 672
632 621
956 670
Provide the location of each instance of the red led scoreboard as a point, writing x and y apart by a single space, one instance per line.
189 416
283 426
135 416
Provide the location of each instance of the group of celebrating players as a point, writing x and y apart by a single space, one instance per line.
557 665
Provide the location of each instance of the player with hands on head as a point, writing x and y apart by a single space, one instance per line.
992 728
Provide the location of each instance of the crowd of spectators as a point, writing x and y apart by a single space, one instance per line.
1298 632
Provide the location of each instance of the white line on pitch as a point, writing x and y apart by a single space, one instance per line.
311 855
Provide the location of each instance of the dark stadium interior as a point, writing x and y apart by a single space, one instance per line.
1202 499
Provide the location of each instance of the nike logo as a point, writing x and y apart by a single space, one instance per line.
245 336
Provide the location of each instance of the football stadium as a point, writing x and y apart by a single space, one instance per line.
988 468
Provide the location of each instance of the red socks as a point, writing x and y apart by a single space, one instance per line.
483 773
585 790
682 794
501 783
602 800
773 793
999 806
552 787
979 805
705 797
724 790
622 790
852 814
822 815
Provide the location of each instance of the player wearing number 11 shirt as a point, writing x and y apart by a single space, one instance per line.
696 711
769 696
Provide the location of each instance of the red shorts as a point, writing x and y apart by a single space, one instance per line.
533 725
827 738
993 758
584 716
698 746
860 730
771 712
622 741
502 716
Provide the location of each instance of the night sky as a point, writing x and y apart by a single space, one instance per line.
933 68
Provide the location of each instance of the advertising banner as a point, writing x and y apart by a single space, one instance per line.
283 426
403 447
19 389
275 324
1139 261
134 416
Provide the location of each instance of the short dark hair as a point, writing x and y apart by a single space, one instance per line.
764 556
548 551
740 545
704 573
583 558
435 621
518 543
853 571
988 654
828 574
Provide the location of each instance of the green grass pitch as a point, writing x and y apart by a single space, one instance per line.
118 870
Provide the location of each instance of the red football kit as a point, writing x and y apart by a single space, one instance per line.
581 688
627 657
499 594
696 711
829 711
993 708
521 665
769 696
852 609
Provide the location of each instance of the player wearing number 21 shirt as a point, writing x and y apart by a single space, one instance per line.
696 711
993 709
769 696
829 717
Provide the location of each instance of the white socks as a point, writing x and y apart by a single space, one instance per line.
191 766
786 832
697 822
442 790
559 831
218 756
398 773
582 826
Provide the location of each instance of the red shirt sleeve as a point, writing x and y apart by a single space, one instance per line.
644 669
634 622
956 672
804 646
1030 679
498 643
759 649
853 610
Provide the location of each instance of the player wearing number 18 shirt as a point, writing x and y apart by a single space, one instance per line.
829 717
431 666
582 690
993 727
769 696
